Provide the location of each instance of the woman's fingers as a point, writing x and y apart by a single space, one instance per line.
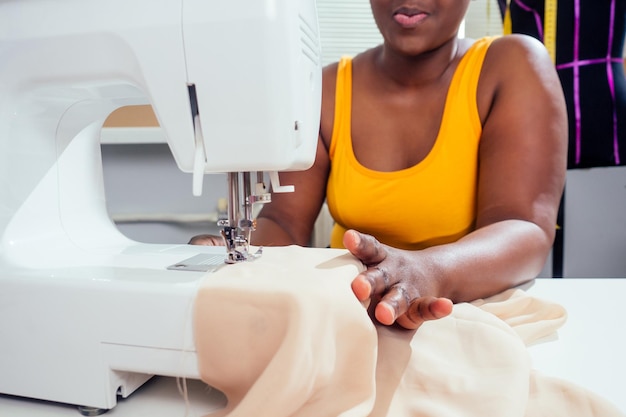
399 302
361 287
375 279
424 309
393 305
365 247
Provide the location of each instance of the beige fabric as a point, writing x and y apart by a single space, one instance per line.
284 336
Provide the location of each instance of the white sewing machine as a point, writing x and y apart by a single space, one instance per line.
85 313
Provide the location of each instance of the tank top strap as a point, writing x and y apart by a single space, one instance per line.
468 72
343 104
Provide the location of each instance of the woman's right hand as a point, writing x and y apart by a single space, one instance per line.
207 240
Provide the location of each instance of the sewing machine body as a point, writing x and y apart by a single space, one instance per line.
86 313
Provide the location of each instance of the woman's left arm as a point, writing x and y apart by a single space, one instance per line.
522 166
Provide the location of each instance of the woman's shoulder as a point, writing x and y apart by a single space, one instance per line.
514 65
507 46
329 74
513 58
362 58
516 48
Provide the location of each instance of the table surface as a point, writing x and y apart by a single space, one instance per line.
589 351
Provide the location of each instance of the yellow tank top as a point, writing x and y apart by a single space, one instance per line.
431 203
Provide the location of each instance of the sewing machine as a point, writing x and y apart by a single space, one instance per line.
85 313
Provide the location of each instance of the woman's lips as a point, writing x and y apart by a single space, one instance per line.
409 18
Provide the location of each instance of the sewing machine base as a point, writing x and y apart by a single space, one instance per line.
96 332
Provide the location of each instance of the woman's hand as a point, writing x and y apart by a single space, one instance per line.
403 292
207 240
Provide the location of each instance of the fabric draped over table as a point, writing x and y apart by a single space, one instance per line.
284 336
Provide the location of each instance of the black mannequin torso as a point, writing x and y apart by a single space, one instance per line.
589 44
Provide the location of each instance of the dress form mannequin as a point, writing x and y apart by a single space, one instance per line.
588 56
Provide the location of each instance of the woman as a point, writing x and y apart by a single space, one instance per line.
442 161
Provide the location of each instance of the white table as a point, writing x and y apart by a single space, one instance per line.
590 351
591 346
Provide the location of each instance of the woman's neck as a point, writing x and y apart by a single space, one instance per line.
420 70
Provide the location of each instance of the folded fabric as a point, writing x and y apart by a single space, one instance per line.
284 336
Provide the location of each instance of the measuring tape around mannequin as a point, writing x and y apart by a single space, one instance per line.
549 25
